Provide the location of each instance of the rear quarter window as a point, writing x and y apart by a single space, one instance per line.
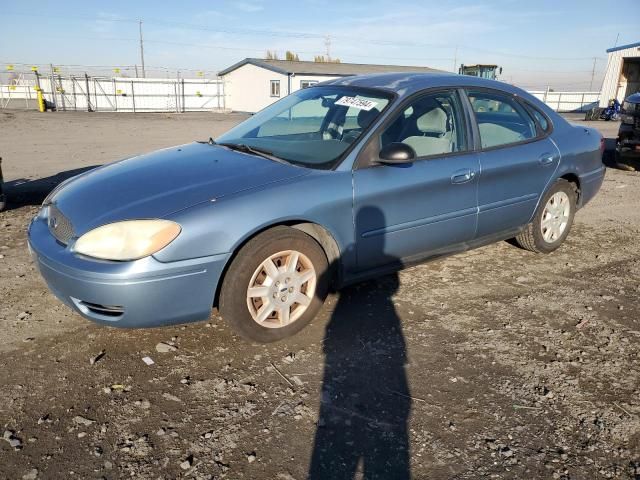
541 119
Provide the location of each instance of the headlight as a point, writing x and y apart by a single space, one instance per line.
628 119
128 240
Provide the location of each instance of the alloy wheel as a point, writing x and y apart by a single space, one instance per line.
555 217
281 289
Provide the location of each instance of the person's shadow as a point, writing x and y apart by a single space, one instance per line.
365 404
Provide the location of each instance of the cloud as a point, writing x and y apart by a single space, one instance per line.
248 7
106 22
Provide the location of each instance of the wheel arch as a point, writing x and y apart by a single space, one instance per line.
575 180
319 233
570 177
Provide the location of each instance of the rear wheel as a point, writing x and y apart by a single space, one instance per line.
275 285
552 221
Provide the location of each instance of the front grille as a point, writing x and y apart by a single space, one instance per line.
60 226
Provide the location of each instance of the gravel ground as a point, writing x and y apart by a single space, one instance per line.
496 363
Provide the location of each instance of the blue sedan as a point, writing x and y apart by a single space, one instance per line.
342 181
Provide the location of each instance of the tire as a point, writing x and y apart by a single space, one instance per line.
249 269
539 239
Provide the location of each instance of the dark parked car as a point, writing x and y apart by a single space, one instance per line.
335 183
629 132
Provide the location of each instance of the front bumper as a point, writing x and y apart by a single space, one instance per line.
138 294
628 136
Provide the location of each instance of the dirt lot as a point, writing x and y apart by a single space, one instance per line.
497 363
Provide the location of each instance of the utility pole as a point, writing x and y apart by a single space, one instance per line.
593 73
327 44
455 60
141 49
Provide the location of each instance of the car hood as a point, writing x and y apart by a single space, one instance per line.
157 184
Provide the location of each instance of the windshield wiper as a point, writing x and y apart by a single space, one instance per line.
211 141
243 147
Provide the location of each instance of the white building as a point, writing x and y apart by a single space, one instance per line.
623 73
253 83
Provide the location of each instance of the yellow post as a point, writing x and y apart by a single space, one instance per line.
42 106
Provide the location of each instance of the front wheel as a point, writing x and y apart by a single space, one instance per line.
275 286
552 221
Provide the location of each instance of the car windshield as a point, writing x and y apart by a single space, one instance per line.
312 127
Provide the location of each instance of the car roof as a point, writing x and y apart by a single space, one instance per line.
635 98
405 83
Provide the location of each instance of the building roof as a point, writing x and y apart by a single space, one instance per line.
623 47
287 67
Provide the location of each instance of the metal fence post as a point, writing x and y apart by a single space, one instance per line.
53 90
559 101
64 106
133 97
95 94
223 84
183 105
73 93
175 91
86 82
115 95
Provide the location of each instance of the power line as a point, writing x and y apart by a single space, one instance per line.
226 47
141 49
593 72
296 34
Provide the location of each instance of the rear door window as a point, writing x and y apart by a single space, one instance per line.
501 119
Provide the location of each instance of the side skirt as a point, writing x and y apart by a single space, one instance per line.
402 263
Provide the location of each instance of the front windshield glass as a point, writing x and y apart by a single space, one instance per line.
312 127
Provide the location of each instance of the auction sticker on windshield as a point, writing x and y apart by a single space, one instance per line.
359 103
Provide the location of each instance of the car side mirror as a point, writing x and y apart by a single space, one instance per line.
396 153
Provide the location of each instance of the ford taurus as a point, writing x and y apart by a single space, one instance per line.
342 181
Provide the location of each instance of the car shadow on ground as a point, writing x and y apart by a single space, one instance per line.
365 400
25 192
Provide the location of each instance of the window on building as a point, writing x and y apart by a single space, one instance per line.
275 88
307 83
501 119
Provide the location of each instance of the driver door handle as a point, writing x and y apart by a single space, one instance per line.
462 176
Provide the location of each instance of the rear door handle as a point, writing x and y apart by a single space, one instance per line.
546 158
462 176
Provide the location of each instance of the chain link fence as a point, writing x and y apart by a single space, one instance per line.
113 94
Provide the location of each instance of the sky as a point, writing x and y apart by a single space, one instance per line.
537 43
